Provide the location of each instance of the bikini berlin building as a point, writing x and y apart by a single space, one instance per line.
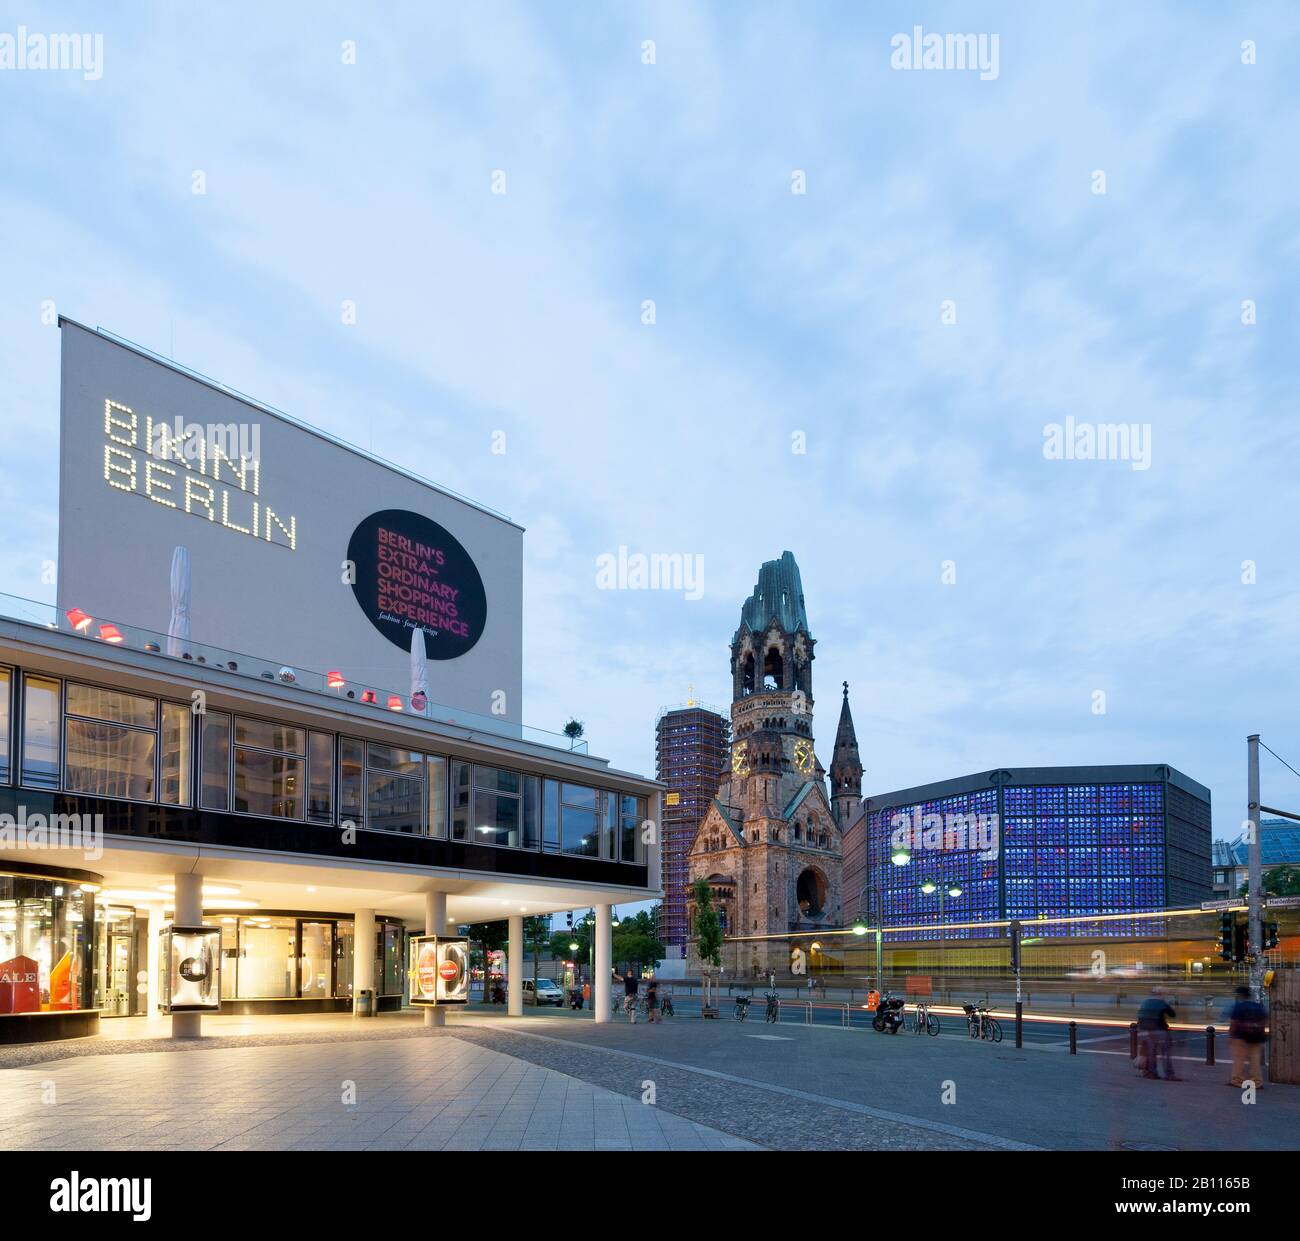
266 753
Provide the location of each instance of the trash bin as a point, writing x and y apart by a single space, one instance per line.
365 1003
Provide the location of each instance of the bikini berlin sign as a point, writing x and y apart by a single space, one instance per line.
410 573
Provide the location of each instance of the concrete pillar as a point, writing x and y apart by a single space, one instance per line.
188 911
435 923
515 968
604 967
153 984
363 953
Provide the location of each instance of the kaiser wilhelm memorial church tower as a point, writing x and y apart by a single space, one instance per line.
770 844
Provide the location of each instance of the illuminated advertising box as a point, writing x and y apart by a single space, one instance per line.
191 969
294 547
439 971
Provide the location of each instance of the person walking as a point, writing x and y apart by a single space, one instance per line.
1157 1041
586 993
630 989
1247 1030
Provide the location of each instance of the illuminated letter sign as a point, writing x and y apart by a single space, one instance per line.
412 574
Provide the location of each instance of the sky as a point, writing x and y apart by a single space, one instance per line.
748 288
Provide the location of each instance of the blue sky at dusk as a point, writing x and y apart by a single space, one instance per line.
781 320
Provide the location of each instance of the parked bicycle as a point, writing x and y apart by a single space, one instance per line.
741 1011
925 1021
773 1013
981 1024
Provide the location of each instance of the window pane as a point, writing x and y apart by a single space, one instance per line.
609 826
320 790
577 795
343 960
4 725
109 760
532 825
214 762
460 801
266 957
267 736
391 758
437 778
631 846
496 819
174 785
113 706
394 959
40 732
316 961
352 774
496 779
394 803
551 816
580 836
268 784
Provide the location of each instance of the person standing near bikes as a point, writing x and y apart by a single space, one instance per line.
652 1001
630 989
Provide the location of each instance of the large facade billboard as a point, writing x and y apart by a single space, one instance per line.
297 548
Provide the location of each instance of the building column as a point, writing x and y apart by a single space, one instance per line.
153 977
604 967
187 911
435 923
515 968
363 954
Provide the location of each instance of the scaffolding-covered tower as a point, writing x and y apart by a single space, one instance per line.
691 744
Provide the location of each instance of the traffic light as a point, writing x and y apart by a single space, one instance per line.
1270 935
570 919
1240 949
1226 937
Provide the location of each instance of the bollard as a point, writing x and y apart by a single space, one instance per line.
1132 1040
1020 1024
1074 1038
1209 1045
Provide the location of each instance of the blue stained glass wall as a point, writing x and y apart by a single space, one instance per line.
1064 850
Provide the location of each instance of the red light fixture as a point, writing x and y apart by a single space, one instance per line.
394 702
335 680
109 633
79 620
369 696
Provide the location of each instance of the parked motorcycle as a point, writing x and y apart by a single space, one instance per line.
888 1017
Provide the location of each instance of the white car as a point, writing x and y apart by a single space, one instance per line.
548 991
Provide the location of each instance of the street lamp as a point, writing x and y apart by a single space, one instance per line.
929 887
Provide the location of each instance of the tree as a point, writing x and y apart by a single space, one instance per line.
708 934
574 729
1277 881
491 937
636 940
537 934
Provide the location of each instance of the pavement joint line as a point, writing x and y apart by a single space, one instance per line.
845 1105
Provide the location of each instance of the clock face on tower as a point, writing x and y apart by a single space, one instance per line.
803 756
739 759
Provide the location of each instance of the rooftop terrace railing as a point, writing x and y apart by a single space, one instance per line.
331 684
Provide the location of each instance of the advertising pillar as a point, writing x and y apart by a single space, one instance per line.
515 968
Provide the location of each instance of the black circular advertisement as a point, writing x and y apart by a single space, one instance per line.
412 574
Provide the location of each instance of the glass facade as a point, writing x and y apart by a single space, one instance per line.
1058 850
98 741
